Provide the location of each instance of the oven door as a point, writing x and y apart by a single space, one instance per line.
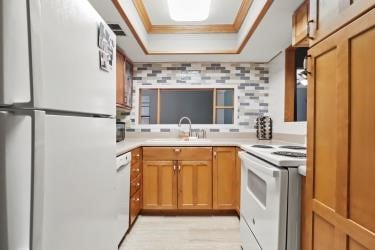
264 201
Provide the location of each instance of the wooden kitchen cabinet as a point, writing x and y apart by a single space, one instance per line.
124 81
177 178
135 184
300 24
195 184
159 184
327 16
225 180
340 211
135 206
178 153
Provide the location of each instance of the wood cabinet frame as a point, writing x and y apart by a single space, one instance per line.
333 215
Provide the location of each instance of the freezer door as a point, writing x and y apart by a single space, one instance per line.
74 183
15 180
65 58
14 53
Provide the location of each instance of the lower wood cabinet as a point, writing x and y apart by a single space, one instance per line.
195 184
191 178
177 184
135 202
225 178
159 185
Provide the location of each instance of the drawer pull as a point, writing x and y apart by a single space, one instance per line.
136 170
136 199
177 150
179 168
138 184
137 155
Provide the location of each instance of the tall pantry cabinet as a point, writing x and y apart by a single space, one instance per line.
340 207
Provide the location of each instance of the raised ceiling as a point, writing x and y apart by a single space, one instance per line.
271 35
225 16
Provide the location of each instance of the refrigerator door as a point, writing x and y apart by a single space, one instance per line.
74 183
65 58
15 180
14 53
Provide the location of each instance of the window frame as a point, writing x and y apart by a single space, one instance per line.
213 87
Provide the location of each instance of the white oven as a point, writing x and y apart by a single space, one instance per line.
264 206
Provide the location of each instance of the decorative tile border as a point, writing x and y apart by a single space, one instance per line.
251 79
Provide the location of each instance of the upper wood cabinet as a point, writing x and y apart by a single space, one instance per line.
327 16
159 185
300 26
124 81
340 213
225 180
195 184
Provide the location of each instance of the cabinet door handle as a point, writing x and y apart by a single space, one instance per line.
174 167
179 168
308 30
215 154
137 155
138 184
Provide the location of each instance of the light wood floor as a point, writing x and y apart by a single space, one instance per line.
184 233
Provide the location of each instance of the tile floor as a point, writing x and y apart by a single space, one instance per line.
184 233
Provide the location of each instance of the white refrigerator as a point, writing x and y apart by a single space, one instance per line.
57 129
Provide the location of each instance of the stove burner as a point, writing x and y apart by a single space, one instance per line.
261 146
290 154
294 147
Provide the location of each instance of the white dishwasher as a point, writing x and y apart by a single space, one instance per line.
123 192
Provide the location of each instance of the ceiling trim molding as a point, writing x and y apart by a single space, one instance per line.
193 29
263 12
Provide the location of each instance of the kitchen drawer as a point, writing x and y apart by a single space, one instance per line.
177 153
135 184
135 205
136 155
135 170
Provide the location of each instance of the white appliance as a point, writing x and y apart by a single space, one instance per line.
123 193
270 199
57 132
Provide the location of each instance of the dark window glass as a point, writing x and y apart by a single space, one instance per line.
224 116
195 104
224 97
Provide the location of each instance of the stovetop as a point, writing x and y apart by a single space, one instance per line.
290 154
279 155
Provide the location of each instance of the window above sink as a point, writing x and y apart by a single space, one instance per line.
204 105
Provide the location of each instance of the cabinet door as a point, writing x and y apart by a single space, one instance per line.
159 185
135 206
120 79
224 178
195 184
327 16
340 213
300 25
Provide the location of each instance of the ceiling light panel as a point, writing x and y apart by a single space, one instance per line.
189 10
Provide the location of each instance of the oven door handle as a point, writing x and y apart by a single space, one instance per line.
253 165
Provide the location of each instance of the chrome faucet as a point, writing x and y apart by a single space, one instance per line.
188 119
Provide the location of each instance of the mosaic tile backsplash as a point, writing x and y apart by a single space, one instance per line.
251 79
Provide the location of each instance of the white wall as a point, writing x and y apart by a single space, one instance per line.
276 100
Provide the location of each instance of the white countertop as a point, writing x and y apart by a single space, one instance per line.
132 143
245 144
